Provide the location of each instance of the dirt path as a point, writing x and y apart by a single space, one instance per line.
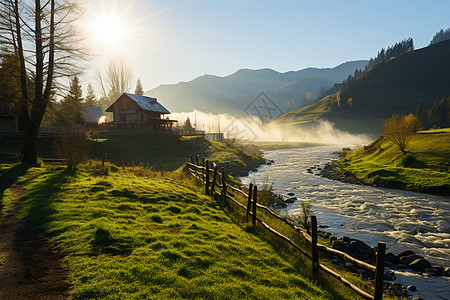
30 266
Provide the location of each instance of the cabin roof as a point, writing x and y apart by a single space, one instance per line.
93 114
144 102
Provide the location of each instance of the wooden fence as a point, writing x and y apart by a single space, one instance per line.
213 177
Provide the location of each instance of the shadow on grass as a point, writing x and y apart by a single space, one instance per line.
284 250
38 201
10 176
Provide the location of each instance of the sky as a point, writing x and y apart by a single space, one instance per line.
165 42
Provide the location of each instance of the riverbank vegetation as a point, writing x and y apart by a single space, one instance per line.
423 168
135 234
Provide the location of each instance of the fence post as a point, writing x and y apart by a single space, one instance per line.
224 186
214 179
192 159
379 272
196 159
203 162
123 164
255 197
249 200
207 178
315 252
161 169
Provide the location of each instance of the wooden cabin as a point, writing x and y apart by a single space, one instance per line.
135 112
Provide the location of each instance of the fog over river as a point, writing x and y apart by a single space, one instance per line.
404 220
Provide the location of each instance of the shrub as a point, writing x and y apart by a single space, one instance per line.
73 148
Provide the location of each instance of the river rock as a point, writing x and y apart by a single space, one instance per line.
290 194
406 260
446 272
405 253
391 257
268 163
358 245
432 271
419 264
412 288
290 200
309 170
280 205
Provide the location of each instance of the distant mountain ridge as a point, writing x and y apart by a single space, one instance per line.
395 86
232 93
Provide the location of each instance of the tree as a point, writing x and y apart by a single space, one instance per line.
139 89
115 82
188 125
421 113
441 36
400 129
439 114
90 99
41 35
72 108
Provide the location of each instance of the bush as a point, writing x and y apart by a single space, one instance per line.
73 148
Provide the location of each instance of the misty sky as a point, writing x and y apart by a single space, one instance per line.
172 41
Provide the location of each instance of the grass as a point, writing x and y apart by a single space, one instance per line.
309 113
133 234
425 167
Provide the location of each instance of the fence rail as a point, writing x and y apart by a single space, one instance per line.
211 177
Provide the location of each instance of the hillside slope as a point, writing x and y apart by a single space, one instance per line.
134 235
232 93
424 169
392 87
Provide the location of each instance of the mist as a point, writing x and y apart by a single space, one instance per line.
253 129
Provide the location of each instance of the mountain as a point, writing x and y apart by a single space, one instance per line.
395 86
232 93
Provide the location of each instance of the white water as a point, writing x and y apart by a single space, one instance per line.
366 213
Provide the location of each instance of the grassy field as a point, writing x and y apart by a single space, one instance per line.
132 234
425 167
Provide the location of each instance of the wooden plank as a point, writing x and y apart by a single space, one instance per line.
347 257
238 190
314 250
379 273
255 198
213 185
207 178
249 201
346 282
224 185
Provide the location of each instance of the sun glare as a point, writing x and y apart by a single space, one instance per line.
109 31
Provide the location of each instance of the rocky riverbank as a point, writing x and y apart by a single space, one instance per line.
402 261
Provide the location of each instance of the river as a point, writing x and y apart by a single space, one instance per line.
404 220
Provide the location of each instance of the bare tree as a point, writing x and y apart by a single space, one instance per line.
47 45
117 80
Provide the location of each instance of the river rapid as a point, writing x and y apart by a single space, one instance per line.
404 220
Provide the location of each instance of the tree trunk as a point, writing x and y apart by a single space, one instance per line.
29 152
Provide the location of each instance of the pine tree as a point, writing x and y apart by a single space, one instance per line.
421 113
139 89
90 100
72 109
439 112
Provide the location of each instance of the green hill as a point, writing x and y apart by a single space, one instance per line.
395 86
425 167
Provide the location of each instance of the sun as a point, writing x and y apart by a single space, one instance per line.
109 32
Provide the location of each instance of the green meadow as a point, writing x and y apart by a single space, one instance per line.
133 234
424 168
